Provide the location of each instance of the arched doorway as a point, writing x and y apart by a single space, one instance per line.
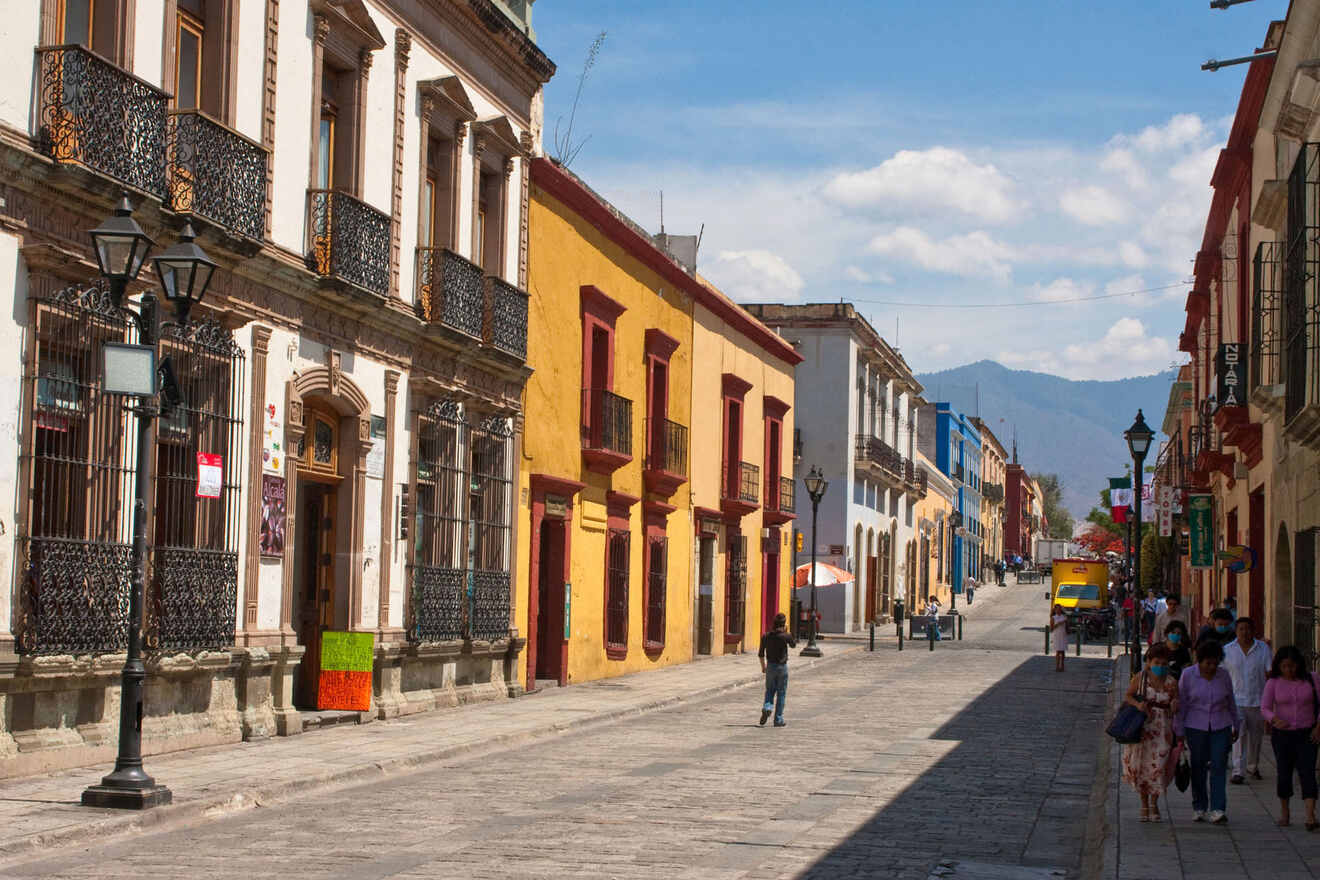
1281 624
867 596
891 579
859 561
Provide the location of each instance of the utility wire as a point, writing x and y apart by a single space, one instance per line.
1015 305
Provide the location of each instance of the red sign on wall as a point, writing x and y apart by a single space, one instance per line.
210 475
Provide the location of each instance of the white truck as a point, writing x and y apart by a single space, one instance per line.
1048 550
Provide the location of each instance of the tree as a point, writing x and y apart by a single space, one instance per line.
566 149
1098 542
1051 502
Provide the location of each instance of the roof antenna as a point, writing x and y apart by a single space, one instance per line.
662 212
700 232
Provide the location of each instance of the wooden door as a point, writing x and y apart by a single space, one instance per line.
871 587
550 603
316 545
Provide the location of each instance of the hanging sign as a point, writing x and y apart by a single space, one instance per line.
1231 367
1238 558
1164 506
272 515
210 475
1201 526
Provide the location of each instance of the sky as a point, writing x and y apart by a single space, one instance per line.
1001 157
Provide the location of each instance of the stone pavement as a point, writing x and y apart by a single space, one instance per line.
1250 846
973 761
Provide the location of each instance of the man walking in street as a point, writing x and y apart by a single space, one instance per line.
970 586
1220 627
774 663
1173 610
1248 661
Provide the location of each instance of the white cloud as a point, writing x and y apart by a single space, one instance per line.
1093 206
1124 164
756 276
1126 340
940 349
1131 255
1181 130
861 276
1061 290
1040 360
973 255
928 183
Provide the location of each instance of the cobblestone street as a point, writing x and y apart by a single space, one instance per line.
975 755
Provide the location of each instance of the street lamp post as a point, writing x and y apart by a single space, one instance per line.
1138 439
816 486
184 271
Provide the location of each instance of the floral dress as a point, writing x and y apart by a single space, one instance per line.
1148 765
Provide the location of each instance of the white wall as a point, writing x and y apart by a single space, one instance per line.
13 277
251 70
148 41
20 29
293 127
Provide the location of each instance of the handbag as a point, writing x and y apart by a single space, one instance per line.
1182 773
1129 720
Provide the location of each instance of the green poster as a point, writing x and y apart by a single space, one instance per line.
1201 525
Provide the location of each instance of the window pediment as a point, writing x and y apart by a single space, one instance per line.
352 19
499 133
450 96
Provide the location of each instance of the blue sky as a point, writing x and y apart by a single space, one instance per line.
890 153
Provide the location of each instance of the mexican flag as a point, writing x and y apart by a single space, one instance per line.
1120 497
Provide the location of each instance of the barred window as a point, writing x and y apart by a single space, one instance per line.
735 591
616 589
657 567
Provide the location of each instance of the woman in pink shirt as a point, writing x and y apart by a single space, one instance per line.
1290 706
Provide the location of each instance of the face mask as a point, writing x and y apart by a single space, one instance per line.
1158 670
1175 637
1222 628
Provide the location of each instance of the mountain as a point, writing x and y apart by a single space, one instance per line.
1071 428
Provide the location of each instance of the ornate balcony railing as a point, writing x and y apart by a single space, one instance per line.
742 483
217 173
489 609
451 291
787 501
669 447
348 239
95 114
505 324
1267 290
992 492
873 450
607 421
437 607
1300 308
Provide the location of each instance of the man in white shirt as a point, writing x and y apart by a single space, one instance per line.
1247 659
1173 610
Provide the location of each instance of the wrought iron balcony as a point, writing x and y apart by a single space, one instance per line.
505 325
787 501
669 447
742 483
451 291
606 429
217 173
97 115
874 452
1266 329
348 240
992 492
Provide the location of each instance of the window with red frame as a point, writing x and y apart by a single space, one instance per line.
616 593
657 568
735 590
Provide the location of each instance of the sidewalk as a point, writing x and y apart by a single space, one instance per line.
1249 846
44 810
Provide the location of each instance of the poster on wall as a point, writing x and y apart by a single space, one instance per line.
272 515
272 442
1201 528
376 455
210 475
345 681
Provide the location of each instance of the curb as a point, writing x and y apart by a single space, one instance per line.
218 805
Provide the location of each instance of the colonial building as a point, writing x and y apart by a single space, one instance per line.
1019 499
934 541
951 440
359 171
866 451
994 461
656 466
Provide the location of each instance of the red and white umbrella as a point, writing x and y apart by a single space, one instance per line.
825 575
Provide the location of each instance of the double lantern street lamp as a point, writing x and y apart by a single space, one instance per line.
184 271
1138 438
816 485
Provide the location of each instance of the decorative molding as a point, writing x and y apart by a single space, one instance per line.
402 45
256 427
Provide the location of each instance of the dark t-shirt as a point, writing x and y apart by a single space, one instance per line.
775 645
1208 632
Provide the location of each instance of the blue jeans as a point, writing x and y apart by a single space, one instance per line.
776 687
1209 753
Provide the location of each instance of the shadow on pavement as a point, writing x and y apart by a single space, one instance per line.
1014 789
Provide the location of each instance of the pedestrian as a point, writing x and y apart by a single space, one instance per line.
774 663
1129 612
1231 604
1291 705
1220 627
1148 765
1207 720
1173 610
1149 610
1059 635
970 586
1247 659
933 613
1176 640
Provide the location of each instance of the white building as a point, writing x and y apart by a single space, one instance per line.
358 170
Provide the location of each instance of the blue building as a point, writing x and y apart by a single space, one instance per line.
951 440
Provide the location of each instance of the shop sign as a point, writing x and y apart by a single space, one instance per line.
1201 527
1232 369
556 506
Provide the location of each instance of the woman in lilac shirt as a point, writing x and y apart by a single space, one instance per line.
1207 720
1289 707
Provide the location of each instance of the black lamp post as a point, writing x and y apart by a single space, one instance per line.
184 271
1138 439
816 485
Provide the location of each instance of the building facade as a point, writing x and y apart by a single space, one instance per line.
866 450
934 542
994 461
1019 499
658 496
952 441
356 368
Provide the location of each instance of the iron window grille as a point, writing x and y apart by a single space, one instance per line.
1266 292
77 455
656 591
1301 265
489 519
616 589
1304 590
95 114
735 591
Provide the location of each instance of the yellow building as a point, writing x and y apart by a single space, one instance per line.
934 538
608 547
